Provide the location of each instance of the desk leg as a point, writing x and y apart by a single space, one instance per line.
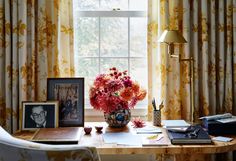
192 157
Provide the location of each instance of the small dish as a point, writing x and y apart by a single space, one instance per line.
87 130
99 128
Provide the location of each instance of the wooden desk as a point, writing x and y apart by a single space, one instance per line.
180 151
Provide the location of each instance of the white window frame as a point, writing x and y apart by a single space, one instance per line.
140 110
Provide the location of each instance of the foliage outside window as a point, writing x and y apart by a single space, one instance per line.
110 33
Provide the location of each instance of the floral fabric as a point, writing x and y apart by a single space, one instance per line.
22 150
36 42
210 30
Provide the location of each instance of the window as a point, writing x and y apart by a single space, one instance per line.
110 33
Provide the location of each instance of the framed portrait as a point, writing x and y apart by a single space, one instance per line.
69 92
39 115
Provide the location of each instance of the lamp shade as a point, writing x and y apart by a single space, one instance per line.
172 36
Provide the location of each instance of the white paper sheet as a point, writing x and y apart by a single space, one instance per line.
123 138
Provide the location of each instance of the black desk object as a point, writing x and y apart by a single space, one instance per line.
196 136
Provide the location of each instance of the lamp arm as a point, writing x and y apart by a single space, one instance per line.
170 48
192 104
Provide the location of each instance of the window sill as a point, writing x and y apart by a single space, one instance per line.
95 115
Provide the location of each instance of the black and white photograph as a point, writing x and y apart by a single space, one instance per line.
70 94
39 115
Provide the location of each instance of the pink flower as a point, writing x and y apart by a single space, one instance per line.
101 80
115 90
113 85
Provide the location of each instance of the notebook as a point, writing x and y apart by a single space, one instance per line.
202 137
62 135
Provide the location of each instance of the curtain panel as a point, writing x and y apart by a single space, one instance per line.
209 26
36 42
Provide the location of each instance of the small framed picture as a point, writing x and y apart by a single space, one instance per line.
39 115
70 94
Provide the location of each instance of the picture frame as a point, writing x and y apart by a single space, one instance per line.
69 92
39 115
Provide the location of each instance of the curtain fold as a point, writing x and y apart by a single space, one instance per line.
209 26
36 42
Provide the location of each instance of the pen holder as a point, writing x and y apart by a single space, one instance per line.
157 117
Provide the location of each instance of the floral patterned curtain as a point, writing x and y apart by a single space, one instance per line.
210 30
36 42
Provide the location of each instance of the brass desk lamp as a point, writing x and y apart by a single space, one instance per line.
173 36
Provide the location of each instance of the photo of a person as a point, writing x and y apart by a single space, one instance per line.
69 92
68 95
39 115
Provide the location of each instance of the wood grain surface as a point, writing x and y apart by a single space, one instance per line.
96 139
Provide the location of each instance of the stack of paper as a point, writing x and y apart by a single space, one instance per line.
176 125
122 138
148 130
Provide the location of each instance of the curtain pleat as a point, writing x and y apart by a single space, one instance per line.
36 43
209 26
234 56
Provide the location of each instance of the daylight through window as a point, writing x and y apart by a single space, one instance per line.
110 33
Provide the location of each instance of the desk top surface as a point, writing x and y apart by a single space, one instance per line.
96 139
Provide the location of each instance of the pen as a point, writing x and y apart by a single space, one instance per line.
154 104
161 106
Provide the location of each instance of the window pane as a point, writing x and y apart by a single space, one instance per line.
140 5
88 68
110 4
138 71
138 37
114 37
107 63
86 4
86 36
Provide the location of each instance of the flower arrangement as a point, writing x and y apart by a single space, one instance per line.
114 91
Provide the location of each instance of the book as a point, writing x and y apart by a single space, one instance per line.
175 123
200 136
227 120
155 140
148 130
216 117
178 129
62 135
